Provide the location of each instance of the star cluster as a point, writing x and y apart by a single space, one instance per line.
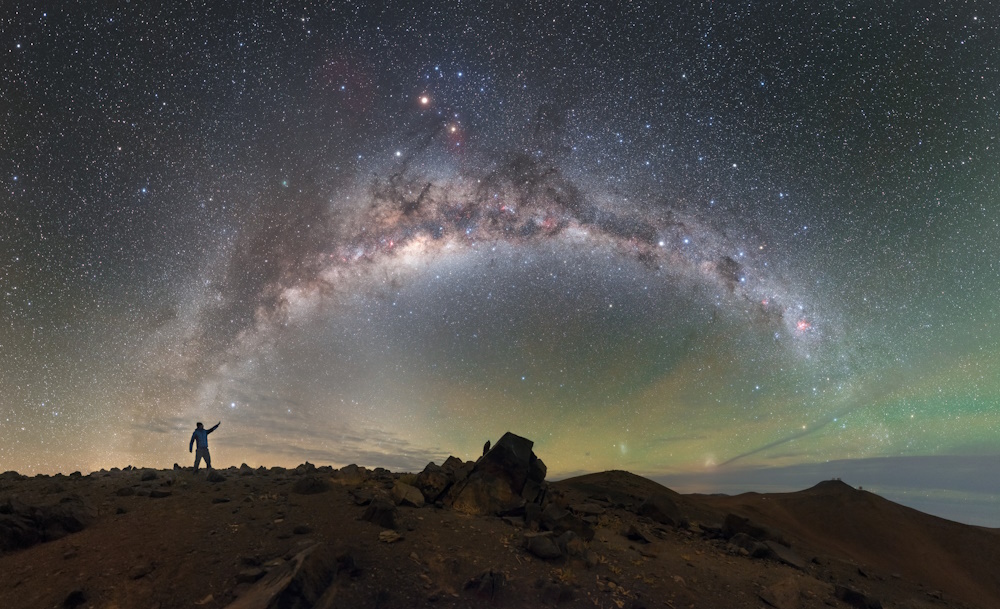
675 239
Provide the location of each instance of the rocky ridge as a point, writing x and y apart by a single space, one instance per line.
491 532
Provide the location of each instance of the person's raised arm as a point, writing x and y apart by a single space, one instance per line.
214 427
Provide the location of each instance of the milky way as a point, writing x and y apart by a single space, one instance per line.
709 242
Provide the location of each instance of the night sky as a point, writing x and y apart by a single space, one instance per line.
717 243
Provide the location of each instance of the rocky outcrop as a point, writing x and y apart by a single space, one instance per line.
23 525
502 481
304 581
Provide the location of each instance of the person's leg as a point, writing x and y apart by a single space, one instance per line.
208 459
197 458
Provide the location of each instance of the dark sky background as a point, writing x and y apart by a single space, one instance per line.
733 246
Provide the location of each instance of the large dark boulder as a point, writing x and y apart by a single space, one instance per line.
496 483
483 493
381 512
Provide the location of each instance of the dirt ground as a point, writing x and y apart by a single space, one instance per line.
205 544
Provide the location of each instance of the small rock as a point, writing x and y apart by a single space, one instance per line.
125 491
543 547
249 576
75 599
638 534
302 529
159 493
488 584
140 570
856 598
148 475
389 536
220 500
215 476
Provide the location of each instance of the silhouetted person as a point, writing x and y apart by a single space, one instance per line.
201 436
486 447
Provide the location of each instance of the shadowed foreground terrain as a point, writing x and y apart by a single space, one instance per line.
486 534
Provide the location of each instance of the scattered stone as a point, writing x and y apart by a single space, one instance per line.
310 485
405 494
215 476
558 520
302 529
159 493
856 598
587 509
542 546
125 491
220 499
636 533
361 496
389 536
250 576
784 594
786 555
488 584
555 593
381 512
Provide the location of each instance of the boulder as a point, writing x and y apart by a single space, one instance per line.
433 482
405 494
23 525
457 469
148 475
542 546
305 468
381 512
559 520
483 493
352 474
215 476
496 483
304 581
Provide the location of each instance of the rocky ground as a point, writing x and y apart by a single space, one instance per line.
486 534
